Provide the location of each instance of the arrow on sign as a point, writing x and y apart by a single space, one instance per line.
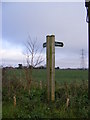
59 44
44 45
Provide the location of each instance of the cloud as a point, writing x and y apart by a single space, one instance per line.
65 20
11 56
40 19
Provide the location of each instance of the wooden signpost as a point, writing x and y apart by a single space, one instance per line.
50 57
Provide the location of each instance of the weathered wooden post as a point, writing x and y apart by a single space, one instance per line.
51 66
50 57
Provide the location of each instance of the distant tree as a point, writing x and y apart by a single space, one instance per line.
57 68
20 66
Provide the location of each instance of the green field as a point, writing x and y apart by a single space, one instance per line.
60 75
32 102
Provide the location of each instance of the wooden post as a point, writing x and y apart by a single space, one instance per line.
50 61
14 100
51 67
40 84
48 68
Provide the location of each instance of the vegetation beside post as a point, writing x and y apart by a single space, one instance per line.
34 58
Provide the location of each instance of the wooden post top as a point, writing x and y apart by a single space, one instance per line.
58 44
50 36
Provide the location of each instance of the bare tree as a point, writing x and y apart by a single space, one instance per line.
34 54
34 57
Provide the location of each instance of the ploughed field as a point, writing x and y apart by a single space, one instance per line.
29 88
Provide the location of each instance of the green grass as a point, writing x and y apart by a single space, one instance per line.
69 83
35 105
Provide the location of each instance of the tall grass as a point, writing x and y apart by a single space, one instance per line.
35 104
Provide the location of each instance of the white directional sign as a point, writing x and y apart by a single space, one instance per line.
58 44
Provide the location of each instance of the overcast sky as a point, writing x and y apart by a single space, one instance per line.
66 20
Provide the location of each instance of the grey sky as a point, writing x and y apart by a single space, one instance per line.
67 21
44 0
